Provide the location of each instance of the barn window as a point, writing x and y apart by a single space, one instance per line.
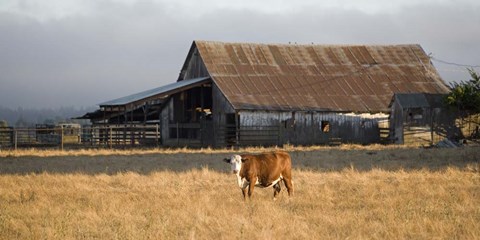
325 126
415 117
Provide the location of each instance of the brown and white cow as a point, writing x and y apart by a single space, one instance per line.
262 170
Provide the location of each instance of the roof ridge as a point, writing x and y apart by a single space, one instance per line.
308 44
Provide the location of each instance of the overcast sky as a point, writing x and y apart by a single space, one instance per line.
83 52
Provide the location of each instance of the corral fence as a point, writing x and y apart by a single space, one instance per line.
461 129
137 135
84 137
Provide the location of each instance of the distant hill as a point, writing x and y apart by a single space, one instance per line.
26 117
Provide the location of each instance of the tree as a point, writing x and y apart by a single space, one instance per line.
3 124
21 123
49 121
466 95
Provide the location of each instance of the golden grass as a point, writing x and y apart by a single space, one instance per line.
204 204
339 194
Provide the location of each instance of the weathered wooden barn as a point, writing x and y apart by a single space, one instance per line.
272 94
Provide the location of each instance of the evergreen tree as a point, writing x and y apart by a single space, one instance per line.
466 95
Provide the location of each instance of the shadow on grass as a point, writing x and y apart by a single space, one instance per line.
321 160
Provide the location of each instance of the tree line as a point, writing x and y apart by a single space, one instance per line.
29 117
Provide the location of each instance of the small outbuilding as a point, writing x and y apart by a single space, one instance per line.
421 118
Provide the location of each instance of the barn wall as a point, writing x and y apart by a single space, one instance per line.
306 128
346 128
223 135
166 117
220 107
195 67
264 127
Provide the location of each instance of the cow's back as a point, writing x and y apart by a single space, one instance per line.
270 165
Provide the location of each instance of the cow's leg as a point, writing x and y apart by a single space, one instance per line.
276 189
244 191
287 180
250 188
289 185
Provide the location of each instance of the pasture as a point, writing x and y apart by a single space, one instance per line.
345 192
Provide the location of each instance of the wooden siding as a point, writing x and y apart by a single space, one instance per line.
195 67
305 128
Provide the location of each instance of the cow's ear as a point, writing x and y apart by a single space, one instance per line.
227 160
244 159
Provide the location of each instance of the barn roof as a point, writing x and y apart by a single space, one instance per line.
359 78
419 100
163 90
412 100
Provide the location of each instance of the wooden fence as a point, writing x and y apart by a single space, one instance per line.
95 136
190 135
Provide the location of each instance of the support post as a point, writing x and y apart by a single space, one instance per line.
237 128
156 135
432 127
178 137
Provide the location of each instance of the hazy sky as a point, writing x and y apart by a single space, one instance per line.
83 52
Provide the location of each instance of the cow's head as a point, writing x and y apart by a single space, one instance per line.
235 163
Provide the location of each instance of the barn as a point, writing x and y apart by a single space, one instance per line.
239 94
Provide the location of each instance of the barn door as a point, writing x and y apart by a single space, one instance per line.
231 129
287 132
206 131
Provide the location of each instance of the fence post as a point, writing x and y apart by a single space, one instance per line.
92 136
156 134
110 136
15 137
61 138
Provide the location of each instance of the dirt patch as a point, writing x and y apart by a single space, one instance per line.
318 160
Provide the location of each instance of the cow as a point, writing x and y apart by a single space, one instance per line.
262 170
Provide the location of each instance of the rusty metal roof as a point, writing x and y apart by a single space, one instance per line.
419 100
318 77
158 92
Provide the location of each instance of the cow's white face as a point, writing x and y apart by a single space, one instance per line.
236 163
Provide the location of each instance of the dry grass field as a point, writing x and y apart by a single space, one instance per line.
340 193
